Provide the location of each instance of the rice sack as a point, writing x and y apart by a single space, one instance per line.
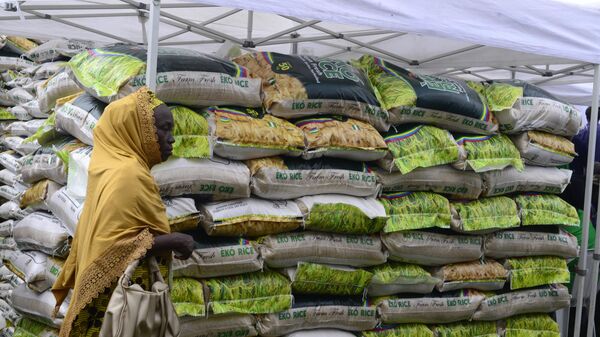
55 88
415 210
182 214
191 133
544 149
396 277
484 215
530 325
487 153
531 179
58 49
527 272
399 330
50 161
44 232
78 117
241 325
321 279
40 306
545 209
187 296
466 329
507 244
482 275
19 45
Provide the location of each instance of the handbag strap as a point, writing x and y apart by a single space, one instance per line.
155 270
128 274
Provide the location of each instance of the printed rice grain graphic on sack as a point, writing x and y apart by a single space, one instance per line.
520 106
546 209
184 76
507 244
544 149
544 299
531 179
255 293
487 153
38 196
413 98
430 309
484 215
400 330
245 133
250 217
217 257
19 45
78 116
319 312
432 249
239 325
415 210
288 249
289 178
336 213
484 275
527 272
321 279
396 277
187 295
341 137
297 86
411 147
466 329
30 328
191 133
212 179
530 325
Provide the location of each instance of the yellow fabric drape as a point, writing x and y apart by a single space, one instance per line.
123 209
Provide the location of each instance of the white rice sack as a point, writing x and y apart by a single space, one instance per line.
6 228
33 125
79 162
49 69
238 325
38 305
216 257
432 249
7 177
15 96
545 299
532 179
28 147
59 86
8 313
29 266
520 106
58 49
250 217
20 82
12 143
321 333
431 309
43 232
79 117
14 63
438 179
287 249
10 161
7 244
182 214
216 178
45 163
524 243
312 312
37 196
18 129
542 149
34 110
289 178
9 210
9 193
20 112
66 208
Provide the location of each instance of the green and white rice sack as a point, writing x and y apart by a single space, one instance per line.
415 210
319 312
55 88
487 153
432 249
507 244
254 293
432 309
531 179
545 209
58 49
336 213
400 330
484 215
527 272
530 325
44 232
411 147
466 329
545 299
79 116
320 279
239 325
217 257
191 133
187 295
30 328
442 179
520 106
544 149
288 249
396 277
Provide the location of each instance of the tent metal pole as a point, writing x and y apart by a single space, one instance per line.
250 26
596 257
327 37
152 56
556 77
589 179
289 30
351 49
451 53
207 22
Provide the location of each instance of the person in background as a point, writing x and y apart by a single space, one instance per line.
124 218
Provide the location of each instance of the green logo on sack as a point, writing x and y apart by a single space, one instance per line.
441 84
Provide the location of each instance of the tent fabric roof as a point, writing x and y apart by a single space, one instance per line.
550 41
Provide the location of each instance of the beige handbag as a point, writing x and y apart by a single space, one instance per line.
134 312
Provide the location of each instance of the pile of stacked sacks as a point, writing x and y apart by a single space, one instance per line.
309 211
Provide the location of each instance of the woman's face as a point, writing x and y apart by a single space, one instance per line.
164 128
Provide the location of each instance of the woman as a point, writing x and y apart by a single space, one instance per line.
123 217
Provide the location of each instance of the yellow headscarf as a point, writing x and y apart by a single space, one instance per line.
123 209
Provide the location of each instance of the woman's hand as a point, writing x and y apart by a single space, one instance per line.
181 244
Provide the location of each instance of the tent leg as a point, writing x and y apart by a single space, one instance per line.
152 58
589 178
596 259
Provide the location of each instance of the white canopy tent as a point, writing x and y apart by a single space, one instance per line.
553 43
